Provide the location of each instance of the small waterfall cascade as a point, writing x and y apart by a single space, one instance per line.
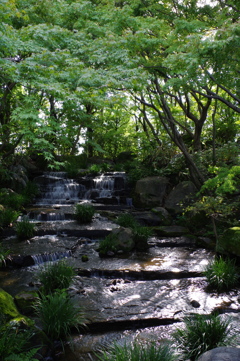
47 216
50 257
56 188
105 185
108 188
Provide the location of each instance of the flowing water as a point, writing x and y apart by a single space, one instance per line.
142 296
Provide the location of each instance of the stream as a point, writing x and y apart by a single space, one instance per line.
142 296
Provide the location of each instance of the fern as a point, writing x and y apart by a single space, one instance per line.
23 356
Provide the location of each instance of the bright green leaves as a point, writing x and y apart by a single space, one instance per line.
226 180
82 52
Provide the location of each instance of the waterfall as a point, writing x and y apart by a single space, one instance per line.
104 185
50 257
56 188
107 187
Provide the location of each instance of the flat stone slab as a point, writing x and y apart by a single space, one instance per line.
221 354
123 303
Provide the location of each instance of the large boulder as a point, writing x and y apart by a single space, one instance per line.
147 218
9 310
180 197
120 240
221 354
124 239
229 242
164 216
150 191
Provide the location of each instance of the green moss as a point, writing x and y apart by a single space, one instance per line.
10 311
25 301
84 258
229 243
7 305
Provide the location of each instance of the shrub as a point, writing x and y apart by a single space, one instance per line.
222 274
137 170
202 333
58 315
108 244
30 191
11 199
73 164
127 220
100 168
25 229
136 352
56 276
7 216
84 213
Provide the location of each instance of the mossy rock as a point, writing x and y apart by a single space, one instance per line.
229 242
124 239
164 216
25 301
85 258
9 310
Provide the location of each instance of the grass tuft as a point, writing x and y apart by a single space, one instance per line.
202 333
127 220
84 213
222 274
56 276
25 229
58 315
137 352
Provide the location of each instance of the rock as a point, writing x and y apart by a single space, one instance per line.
221 354
179 197
20 261
7 305
164 215
84 258
25 301
147 218
120 240
150 191
124 239
195 304
229 242
206 242
170 231
9 310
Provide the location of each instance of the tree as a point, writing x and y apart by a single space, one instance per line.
61 62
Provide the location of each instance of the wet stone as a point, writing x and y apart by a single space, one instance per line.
161 300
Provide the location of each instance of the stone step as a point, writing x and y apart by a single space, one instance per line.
138 275
121 302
